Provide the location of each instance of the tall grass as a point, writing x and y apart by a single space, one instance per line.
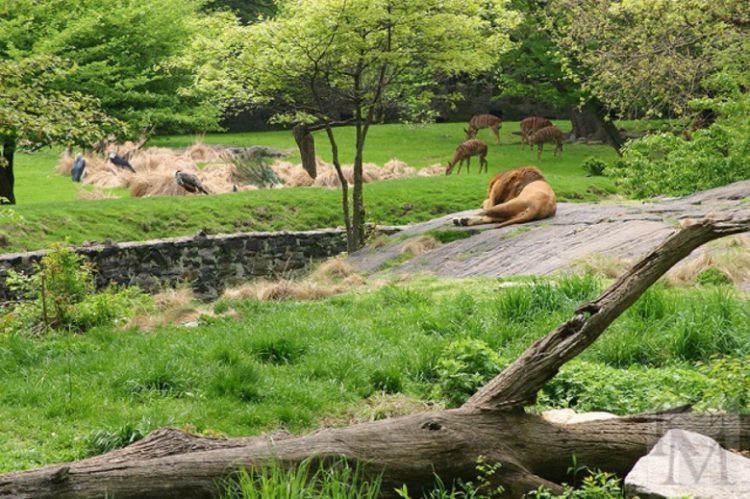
292 364
307 480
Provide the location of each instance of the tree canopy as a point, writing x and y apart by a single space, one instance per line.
325 62
121 52
652 56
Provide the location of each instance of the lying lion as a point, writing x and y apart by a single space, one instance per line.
515 197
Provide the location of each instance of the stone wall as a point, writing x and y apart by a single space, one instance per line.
207 263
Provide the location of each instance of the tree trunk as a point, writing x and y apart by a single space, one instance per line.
409 450
306 144
350 246
358 206
590 122
413 449
7 180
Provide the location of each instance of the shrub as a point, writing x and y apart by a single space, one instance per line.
675 165
594 167
62 296
466 365
713 277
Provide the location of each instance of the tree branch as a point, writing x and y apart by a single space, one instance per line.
519 383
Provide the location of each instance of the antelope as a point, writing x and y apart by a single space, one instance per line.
547 134
532 124
480 121
464 152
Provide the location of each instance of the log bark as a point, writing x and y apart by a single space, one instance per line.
7 179
413 449
589 121
306 144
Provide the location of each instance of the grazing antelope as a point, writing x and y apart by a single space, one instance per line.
480 121
547 134
464 152
532 124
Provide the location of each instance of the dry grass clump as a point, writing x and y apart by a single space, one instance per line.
381 406
731 256
420 245
600 265
95 195
174 306
283 290
155 168
332 269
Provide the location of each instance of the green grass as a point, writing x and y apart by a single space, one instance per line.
48 209
291 364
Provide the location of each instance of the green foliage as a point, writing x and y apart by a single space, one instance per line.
255 170
479 488
308 480
122 53
713 277
56 389
651 55
464 366
62 296
102 441
596 485
36 112
594 167
728 384
672 165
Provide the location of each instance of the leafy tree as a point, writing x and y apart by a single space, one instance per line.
247 11
34 114
652 56
327 63
535 69
122 53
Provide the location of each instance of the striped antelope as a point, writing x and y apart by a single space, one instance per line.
464 152
547 134
480 121
532 124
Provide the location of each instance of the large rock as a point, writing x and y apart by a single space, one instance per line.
687 464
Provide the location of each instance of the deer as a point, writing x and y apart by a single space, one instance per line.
479 121
464 152
532 124
547 134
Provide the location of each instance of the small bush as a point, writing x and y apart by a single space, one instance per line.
594 167
675 165
62 296
102 441
466 365
713 277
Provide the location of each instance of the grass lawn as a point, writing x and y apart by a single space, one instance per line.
49 211
294 364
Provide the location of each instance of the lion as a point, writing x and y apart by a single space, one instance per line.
514 197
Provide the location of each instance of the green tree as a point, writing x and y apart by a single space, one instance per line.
122 53
326 63
535 69
653 56
34 114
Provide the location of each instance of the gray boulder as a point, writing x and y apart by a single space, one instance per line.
687 464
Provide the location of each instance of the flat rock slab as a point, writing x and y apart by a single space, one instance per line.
626 230
687 464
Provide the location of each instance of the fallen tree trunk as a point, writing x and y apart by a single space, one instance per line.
411 450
